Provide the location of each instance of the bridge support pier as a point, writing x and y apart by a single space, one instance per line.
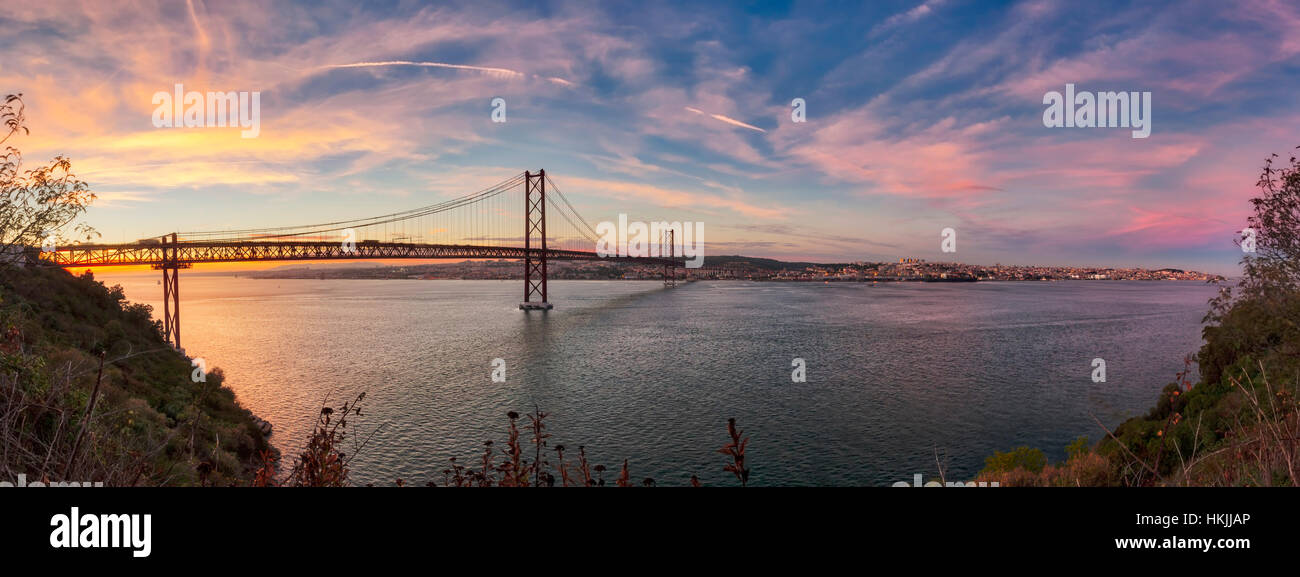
535 222
669 240
171 282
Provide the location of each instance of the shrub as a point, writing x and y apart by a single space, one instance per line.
1029 459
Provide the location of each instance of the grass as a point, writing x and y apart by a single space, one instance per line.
90 392
324 462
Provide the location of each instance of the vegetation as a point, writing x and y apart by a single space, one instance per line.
89 391
1239 424
1032 460
36 204
323 463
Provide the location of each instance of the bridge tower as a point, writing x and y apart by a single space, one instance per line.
670 268
535 222
170 266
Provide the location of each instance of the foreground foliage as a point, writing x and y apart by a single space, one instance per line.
1239 423
89 391
324 462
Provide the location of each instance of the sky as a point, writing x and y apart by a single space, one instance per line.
919 116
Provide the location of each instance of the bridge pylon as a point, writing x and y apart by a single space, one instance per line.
535 222
170 267
669 240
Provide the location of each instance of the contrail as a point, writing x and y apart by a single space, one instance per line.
500 72
728 120
489 70
204 43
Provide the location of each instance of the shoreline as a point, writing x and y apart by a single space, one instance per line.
778 280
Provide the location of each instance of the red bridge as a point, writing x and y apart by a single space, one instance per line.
469 227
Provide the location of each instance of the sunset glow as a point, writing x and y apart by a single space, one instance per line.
928 119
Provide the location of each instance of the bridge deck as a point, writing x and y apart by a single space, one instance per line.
99 255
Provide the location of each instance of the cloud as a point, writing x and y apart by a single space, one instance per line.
496 72
906 129
726 119
123 198
936 159
669 197
854 243
918 12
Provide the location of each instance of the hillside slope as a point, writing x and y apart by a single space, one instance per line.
147 423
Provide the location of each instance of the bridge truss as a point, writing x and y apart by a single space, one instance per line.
474 226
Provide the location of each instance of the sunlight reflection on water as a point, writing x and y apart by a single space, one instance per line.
633 370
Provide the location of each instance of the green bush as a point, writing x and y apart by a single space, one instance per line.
150 425
1029 459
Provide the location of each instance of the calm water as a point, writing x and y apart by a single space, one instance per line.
631 370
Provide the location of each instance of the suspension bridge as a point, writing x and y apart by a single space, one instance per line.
481 225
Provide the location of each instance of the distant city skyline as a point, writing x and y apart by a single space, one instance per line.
1063 271
919 116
